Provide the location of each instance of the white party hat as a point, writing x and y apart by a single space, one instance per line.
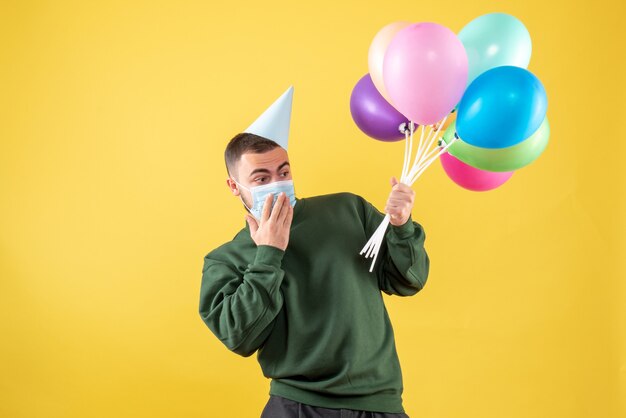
274 122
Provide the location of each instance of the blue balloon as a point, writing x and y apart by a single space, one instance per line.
502 107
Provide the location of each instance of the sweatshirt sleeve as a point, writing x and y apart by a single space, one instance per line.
240 309
402 264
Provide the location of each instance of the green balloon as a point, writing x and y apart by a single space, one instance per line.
499 159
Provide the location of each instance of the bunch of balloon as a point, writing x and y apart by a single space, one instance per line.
418 73
474 88
501 124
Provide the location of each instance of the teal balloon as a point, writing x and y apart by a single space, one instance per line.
493 40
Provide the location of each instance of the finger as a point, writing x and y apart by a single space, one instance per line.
254 226
399 198
289 217
267 207
398 193
398 201
397 208
284 211
394 181
278 207
392 210
403 197
402 188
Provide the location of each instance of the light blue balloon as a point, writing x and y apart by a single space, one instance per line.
493 40
502 107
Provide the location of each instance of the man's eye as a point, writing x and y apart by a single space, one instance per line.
285 173
260 179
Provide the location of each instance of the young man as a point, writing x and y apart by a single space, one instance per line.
292 286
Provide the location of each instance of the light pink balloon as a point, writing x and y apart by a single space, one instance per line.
425 72
472 178
376 54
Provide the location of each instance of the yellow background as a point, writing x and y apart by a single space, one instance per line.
113 120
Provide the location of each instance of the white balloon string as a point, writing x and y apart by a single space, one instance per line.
424 166
426 144
417 164
419 148
426 157
423 159
430 161
381 237
374 260
408 156
405 167
431 139
373 241
368 245
369 252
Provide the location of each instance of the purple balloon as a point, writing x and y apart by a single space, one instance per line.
373 114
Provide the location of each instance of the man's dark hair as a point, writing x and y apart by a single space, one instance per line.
243 143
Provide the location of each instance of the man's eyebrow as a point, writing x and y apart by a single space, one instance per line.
259 170
265 170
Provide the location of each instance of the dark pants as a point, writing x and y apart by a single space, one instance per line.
279 407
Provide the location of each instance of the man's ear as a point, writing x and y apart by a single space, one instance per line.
232 186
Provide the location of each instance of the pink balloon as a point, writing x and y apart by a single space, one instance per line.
425 72
472 178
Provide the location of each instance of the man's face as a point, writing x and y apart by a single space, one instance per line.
257 169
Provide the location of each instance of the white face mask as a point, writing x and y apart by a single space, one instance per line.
259 193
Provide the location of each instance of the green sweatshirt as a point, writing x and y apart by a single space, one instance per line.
314 312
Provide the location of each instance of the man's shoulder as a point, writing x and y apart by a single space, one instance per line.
226 252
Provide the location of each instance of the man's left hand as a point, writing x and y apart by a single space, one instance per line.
400 202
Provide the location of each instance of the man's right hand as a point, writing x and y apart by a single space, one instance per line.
274 227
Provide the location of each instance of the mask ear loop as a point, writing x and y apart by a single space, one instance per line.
241 198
